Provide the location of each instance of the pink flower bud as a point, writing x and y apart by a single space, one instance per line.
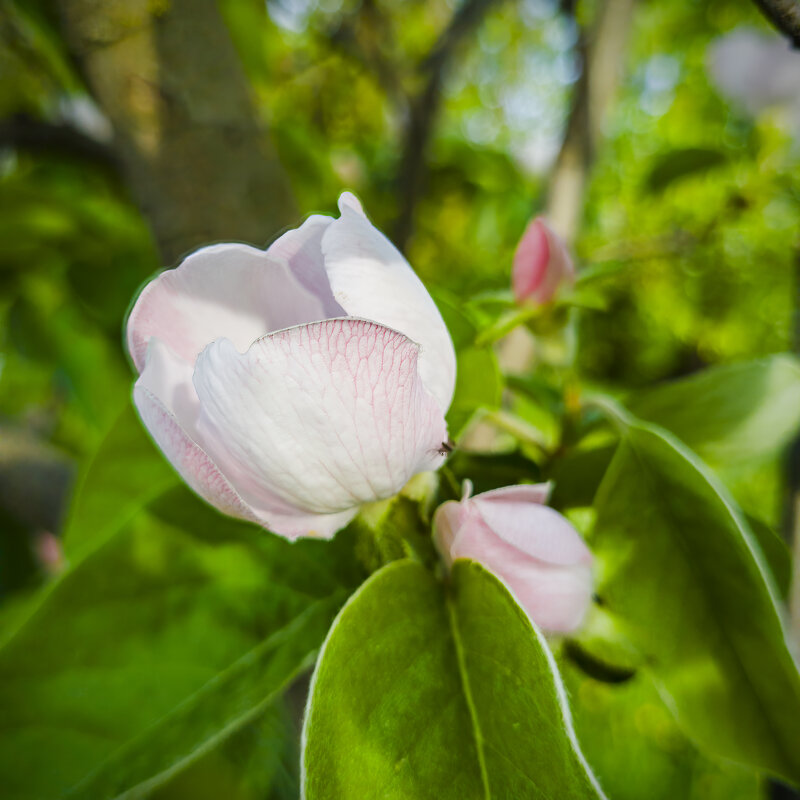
532 548
541 264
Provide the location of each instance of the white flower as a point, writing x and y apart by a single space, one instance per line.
290 386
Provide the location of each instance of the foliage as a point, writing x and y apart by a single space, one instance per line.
164 654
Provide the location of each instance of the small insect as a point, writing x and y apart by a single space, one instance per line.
446 447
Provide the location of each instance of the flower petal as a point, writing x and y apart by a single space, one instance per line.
556 597
301 249
530 261
535 529
326 416
164 392
371 279
230 290
541 264
168 405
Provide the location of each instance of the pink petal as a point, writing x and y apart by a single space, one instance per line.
555 597
536 493
534 529
301 249
169 408
371 279
541 264
324 416
163 391
229 290
530 261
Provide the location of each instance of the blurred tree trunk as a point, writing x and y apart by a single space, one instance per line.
423 113
602 51
166 74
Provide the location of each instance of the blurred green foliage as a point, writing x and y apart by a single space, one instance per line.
691 219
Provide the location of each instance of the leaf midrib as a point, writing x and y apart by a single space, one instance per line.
467 692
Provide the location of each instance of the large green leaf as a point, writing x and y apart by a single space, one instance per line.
478 380
124 474
168 636
260 761
684 578
736 413
425 692
675 165
637 749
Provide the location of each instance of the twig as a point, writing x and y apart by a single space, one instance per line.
24 132
424 109
785 16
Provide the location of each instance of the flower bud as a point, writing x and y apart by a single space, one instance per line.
532 548
541 264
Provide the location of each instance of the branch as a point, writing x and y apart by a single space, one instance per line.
194 151
24 132
785 16
425 108
370 55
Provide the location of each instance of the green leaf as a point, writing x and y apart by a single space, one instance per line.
425 692
259 762
777 555
126 472
166 638
730 414
677 164
685 580
637 749
578 474
227 702
479 383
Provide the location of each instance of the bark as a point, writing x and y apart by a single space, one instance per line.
166 74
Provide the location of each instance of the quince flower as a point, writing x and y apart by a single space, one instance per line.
542 264
532 548
293 385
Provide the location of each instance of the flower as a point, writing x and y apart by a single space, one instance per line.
541 264
532 548
293 385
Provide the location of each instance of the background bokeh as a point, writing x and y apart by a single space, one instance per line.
450 134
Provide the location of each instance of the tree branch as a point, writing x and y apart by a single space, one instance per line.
364 36
785 16
424 109
193 150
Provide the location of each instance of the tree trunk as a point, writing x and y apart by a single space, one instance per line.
603 52
603 55
167 76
